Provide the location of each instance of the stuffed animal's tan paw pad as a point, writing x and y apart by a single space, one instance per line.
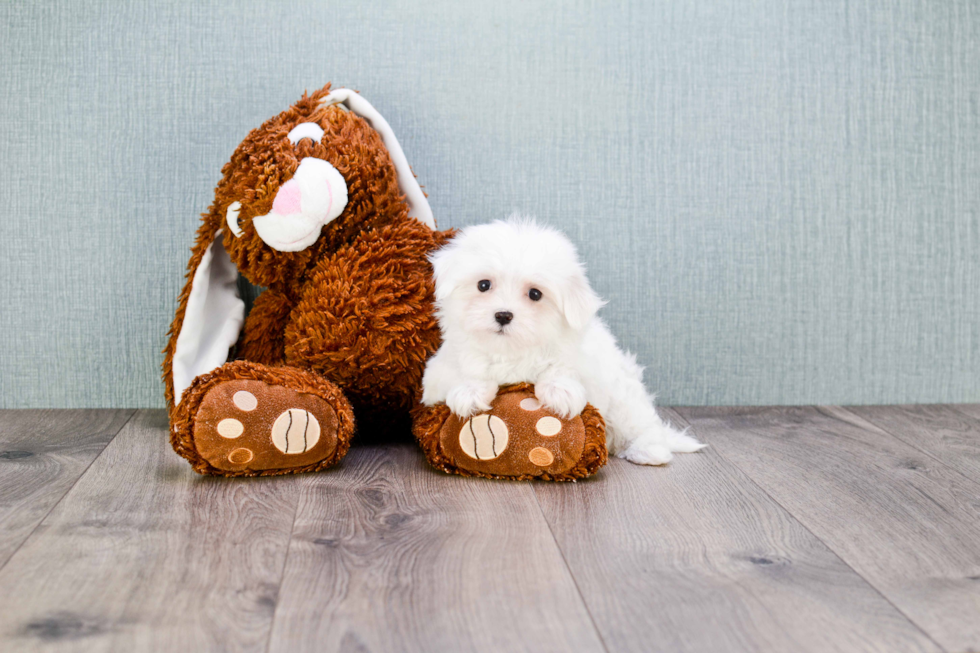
244 400
295 431
248 424
483 437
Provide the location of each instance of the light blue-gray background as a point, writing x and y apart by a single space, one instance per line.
780 198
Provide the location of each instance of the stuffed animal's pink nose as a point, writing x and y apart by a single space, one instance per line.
289 199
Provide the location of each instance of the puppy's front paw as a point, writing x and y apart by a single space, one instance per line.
563 396
470 398
647 451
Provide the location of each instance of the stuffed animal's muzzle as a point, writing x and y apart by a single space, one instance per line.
316 195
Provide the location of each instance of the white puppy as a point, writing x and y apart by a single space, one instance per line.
514 305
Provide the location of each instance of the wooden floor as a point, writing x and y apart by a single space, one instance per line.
798 529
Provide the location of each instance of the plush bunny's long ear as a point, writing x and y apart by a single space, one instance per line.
418 204
212 318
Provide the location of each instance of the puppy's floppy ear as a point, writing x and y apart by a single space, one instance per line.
447 271
579 303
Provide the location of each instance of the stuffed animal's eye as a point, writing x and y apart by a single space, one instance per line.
534 294
231 217
309 130
483 285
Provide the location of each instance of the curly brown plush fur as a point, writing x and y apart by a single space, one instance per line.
365 316
263 338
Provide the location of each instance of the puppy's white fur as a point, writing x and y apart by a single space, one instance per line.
557 342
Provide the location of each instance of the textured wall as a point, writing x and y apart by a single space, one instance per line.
780 199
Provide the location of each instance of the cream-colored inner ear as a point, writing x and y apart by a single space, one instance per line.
231 217
213 318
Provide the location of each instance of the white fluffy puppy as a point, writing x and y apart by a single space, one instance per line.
514 305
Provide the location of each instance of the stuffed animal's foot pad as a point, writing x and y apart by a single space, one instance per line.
243 423
517 438
251 426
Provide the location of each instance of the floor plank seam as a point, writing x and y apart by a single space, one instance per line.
57 503
931 456
837 555
571 575
282 576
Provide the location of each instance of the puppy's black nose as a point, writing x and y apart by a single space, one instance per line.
503 317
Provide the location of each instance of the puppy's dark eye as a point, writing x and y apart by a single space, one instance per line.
483 285
534 294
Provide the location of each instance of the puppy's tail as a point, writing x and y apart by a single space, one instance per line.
681 442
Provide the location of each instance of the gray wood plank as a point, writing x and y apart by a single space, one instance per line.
696 557
972 410
144 554
390 555
946 433
42 454
909 525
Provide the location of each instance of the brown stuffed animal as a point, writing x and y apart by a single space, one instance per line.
320 206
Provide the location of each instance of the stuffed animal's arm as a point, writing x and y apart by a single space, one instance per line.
263 337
